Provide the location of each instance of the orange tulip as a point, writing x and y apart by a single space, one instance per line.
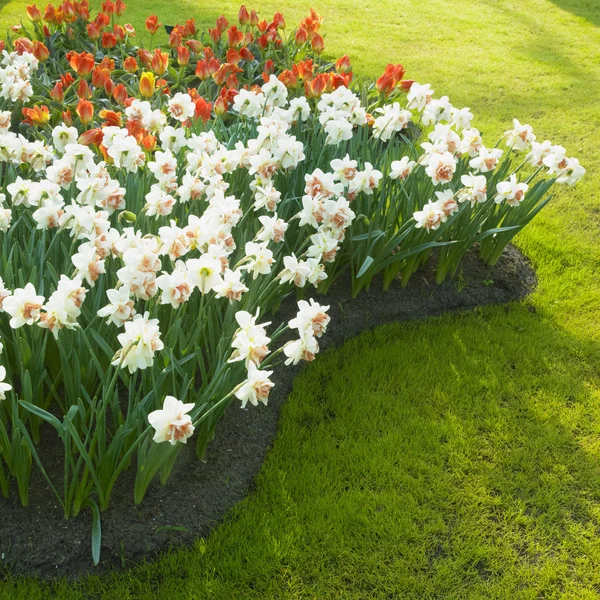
318 43
152 24
83 89
343 64
93 31
203 109
120 94
34 13
91 137
160 62
40 51
221 105
120 7
175 38
111 118
235 37
66 118
316 87
145 56
301 36
183 55
109 40
38 115
82 63
288 78
57 93
130 64
148 142
147 84
85 111
194 45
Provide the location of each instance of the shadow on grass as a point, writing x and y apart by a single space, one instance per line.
452 458
586 9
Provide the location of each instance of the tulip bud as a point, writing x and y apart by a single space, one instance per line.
109 40
93 31
120 7
83 89
301 36
183 55
221 105
40 51
145 56
243 15
222 23
160 62
66 117
85 111
130 64
253 18
318 43
194 45
120 94
147 84
343 64
175 38
33 12
91 137
57 93
148 142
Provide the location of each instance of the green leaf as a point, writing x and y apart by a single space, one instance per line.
365 266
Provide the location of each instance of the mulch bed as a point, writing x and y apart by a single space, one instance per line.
38 541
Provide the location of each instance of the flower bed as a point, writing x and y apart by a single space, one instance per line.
159 203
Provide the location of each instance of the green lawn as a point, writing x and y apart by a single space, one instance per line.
457 457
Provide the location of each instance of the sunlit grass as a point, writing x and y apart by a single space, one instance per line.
457 457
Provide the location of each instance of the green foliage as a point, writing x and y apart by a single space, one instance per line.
456 458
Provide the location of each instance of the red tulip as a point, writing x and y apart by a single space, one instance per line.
243 15
109 40
222 23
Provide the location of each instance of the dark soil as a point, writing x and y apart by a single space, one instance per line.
37 540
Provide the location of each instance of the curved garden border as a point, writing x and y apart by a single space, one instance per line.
37 540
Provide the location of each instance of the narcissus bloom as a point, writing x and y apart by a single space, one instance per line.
256 388
23 306
5 387
140 341
512 191
430 217
205 273
172 423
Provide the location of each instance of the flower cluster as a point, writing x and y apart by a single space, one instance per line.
150 217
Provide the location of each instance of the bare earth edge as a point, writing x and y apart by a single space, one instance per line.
38 541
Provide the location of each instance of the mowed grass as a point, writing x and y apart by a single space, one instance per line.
457 457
